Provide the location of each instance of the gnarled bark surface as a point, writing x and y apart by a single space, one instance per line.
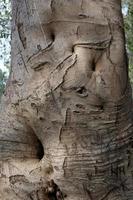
67 111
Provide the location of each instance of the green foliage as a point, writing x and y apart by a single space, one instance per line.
131 69
129 25
128 19
5 31
5 16
3 79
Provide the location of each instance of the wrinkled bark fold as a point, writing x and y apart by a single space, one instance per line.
67 110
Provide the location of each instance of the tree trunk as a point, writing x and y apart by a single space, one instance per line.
67 110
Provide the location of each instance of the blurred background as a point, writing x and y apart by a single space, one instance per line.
5 37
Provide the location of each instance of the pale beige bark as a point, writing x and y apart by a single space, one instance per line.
67 111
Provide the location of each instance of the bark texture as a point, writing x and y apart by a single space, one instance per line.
67 110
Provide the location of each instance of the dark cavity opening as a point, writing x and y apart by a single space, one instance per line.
52 36
81 90
39 47
40 150
93 66
35 145
73 49
41 118
101 107
82 15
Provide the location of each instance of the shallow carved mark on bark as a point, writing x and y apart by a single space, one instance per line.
100 45
23 60
22 35
55 80
39 52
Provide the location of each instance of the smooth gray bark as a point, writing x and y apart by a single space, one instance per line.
67 111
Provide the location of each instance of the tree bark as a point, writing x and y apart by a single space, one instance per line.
67 110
